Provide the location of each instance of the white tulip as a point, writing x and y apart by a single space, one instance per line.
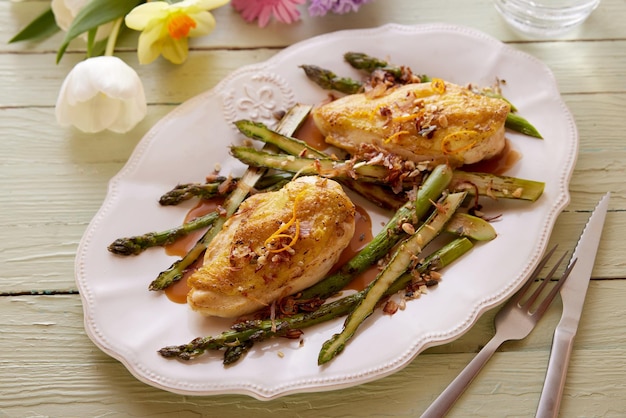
101 93
65 12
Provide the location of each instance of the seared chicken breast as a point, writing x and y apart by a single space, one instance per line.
276 244
435 122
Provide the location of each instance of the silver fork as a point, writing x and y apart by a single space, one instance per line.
513 322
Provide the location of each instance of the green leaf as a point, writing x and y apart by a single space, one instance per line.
98 48
94 14
42 26
91 40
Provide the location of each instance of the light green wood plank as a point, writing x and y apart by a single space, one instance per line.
35 80
60 372
232 31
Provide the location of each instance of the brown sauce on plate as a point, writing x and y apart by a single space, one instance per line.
362 236
309 133
177 292
499 164
183 245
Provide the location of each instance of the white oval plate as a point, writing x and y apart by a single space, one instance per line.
130 323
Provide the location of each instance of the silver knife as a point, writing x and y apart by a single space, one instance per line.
573 297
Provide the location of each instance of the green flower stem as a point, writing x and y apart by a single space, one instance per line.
115 31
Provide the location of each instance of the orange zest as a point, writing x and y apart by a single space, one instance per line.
409 117
179 25
394 136
464 136
281 231
438 85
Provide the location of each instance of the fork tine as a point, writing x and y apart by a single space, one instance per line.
546 302
529 282
543 284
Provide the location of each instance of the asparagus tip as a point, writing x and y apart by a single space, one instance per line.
125 246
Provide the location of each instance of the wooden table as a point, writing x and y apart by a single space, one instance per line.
53 180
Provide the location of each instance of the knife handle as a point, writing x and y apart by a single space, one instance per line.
550 400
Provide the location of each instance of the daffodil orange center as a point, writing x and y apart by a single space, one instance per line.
179 25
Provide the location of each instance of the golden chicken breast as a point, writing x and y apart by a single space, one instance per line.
435 122
276 244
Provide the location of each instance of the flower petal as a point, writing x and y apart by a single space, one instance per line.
120 82
142 15
97 114
62 14
131 113
207 4
151 42
175 50
78 86
205 24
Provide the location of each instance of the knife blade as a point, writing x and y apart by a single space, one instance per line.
573 296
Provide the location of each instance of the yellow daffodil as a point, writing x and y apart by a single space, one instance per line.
166 27
101 93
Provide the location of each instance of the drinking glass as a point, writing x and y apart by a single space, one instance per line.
545 18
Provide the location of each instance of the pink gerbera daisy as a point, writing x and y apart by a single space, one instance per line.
285 11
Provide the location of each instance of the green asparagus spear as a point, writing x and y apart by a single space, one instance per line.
293 146
465 225
401 260
379 194
369 64
259 330
311 166
330 81
183 192
288 125
175 272
235 352
364 62
496 186
137 244
336 169
387 238
518 124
